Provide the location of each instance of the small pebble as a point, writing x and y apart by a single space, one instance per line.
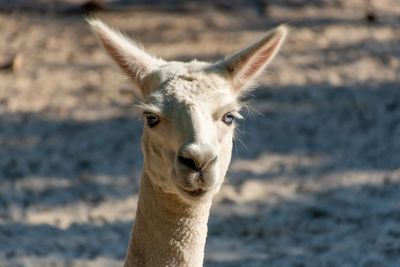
11 62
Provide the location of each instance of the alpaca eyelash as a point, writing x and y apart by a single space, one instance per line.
235 114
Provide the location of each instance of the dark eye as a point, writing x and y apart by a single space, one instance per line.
228 118
151 120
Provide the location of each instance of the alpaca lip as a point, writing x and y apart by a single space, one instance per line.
196 193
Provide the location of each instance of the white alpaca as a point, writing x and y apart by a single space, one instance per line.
189 111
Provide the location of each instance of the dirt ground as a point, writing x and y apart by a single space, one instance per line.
315 178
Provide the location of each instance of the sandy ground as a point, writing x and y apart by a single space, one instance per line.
315 178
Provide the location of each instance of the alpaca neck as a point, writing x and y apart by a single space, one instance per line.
167 231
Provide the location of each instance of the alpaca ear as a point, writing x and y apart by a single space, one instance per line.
245 65
133 61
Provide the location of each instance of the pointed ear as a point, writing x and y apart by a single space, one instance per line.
133 61
245 65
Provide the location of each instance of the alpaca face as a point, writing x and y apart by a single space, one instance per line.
189 110
189 124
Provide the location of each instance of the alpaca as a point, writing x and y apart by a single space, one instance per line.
189 111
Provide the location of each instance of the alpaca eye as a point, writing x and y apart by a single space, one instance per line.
152 120
228 118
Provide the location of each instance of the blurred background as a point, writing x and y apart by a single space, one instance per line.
315 178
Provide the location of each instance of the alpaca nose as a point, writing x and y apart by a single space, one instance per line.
197 157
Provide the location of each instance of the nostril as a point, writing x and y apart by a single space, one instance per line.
188 163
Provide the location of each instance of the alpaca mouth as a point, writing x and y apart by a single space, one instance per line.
196 193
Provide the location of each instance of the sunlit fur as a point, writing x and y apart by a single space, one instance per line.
188 150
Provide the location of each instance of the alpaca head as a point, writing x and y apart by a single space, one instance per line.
189 110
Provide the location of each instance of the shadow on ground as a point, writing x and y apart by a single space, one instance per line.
345 224
81 160
355 128
341 235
